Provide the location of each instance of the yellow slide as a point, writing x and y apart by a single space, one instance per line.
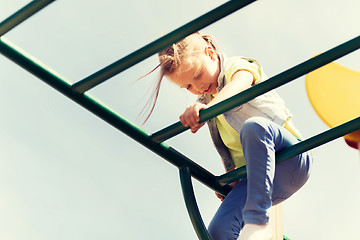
334 92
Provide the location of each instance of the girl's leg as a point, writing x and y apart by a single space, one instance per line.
260 139
228 220
250 200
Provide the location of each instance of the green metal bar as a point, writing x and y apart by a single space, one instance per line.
298 148
159 44
22 14
263 87
191 205
59 83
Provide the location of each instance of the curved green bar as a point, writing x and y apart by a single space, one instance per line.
191 205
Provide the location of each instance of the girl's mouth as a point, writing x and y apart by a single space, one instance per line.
207 89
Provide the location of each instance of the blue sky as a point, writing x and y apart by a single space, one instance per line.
66 174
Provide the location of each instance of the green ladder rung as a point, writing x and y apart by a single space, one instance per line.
303 146
159 44
23 14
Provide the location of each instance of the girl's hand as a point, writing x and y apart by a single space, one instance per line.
232 185
221 197
190 118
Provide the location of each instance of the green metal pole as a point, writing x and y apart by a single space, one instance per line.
21 15
59 83
159 44
298 148
263 87
191 205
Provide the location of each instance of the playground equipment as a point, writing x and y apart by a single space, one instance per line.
155 141
333 91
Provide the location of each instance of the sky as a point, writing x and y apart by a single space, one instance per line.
66 174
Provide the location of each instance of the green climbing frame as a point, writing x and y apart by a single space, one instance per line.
155 141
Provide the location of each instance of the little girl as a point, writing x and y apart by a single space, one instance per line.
249 134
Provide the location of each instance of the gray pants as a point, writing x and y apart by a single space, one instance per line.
265 184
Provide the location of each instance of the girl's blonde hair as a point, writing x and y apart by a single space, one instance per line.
171 58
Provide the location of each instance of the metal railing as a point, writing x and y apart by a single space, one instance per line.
155 142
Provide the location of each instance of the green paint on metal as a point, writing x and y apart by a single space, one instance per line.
263 87
21 15
159 44
191 205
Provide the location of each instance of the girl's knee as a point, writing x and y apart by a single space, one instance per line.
303 171
221 230
215 229
254 127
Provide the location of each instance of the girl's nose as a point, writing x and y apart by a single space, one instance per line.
197 87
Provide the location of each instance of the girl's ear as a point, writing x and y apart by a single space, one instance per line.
210 52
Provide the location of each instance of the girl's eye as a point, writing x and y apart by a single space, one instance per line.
188 87
198 76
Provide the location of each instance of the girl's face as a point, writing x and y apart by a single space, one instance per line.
198 74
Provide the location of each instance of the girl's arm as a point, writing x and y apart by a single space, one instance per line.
240 81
